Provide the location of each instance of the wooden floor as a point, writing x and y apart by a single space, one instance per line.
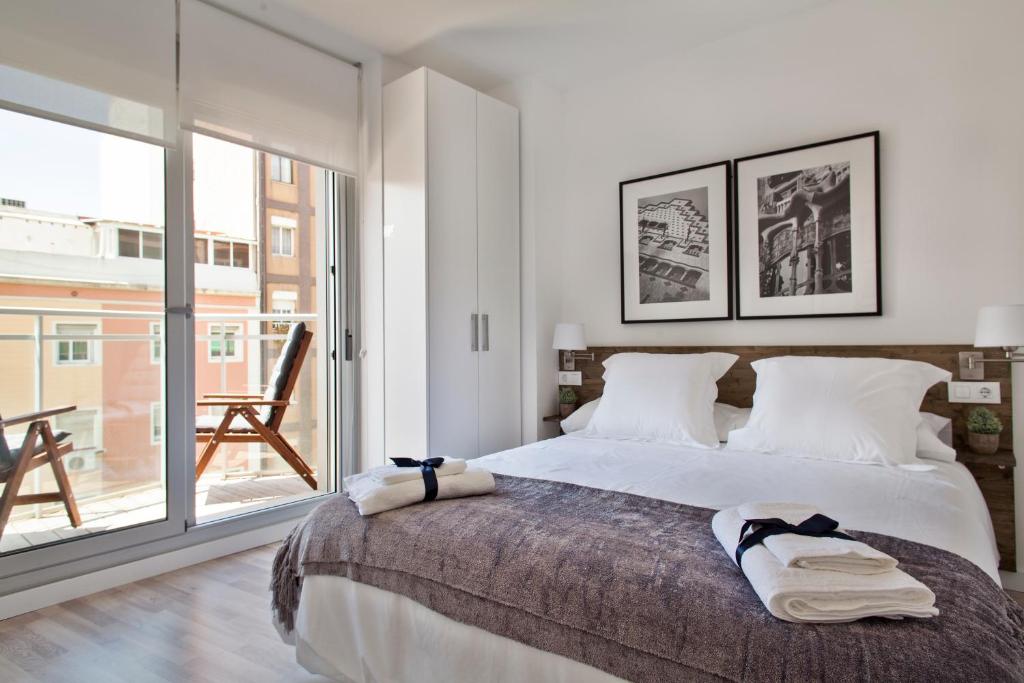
207 623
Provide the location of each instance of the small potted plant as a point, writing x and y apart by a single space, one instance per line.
983 429
566 401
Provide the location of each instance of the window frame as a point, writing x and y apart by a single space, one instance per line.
213 332
156 346
276 242
92 356
156 423
140 243
43 565
277 165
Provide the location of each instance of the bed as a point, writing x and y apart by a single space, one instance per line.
358 621
348 630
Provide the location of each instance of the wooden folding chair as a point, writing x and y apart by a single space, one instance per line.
252 418
39 447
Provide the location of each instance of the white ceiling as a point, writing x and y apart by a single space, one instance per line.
488 42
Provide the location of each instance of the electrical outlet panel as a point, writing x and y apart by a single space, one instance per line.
974 392
570 379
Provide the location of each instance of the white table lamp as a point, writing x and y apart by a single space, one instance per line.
570 338
1002 327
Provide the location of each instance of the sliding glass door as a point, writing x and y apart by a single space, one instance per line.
263 258
144 294
82 233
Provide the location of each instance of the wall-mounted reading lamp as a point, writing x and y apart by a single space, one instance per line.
569 339
997 326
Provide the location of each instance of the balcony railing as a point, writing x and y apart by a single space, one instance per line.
42 384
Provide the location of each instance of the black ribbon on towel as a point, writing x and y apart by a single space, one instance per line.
816 525
427 468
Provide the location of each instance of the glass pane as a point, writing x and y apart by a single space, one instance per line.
244 318
221 253
128 243
241 255
84 207
202 251
152 245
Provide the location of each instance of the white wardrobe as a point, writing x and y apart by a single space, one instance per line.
451 270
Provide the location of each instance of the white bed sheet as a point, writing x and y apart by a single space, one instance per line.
349 630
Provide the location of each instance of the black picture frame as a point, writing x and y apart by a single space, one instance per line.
741 240
723 298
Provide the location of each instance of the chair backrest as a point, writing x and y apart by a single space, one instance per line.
6 457
285 373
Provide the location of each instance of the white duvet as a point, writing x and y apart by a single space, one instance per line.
348 630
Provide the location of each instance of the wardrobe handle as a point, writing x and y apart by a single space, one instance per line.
474 335
487 332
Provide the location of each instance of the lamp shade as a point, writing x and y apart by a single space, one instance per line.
569 337
1000 326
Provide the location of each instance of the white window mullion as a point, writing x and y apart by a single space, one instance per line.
179 337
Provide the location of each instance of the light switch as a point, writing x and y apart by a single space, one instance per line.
573 379
974 392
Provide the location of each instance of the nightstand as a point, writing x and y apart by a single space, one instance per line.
994 474
555 418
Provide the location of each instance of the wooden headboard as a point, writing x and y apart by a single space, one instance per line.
737 386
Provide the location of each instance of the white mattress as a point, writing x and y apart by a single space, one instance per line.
349 630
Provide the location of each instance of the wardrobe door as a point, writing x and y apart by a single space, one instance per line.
405 267
497 161
452 277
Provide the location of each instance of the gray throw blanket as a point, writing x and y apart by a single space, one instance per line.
640 588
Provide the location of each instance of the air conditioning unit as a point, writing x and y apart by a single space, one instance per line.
83 460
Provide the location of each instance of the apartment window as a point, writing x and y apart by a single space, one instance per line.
282 303
202 248
233 254
77 351
282 236
156 423
156 351
226 336
139 243
280 169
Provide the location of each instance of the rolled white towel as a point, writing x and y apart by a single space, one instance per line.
371 497
808 595
393 474
809 552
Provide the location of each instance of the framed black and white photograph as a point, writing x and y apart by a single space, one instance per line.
807 231
676 252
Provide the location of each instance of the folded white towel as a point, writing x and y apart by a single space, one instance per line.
808 595
393 474
371 497
809 552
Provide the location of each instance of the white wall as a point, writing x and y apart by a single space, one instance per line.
940 80
541 178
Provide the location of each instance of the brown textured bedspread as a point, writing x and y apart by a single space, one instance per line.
639 587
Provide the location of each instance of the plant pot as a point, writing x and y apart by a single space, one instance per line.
983 444
566 409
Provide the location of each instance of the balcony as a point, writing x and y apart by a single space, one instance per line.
109 363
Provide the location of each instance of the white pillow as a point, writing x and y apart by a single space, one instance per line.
580 417
667 398
935 438
727 418
863 410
